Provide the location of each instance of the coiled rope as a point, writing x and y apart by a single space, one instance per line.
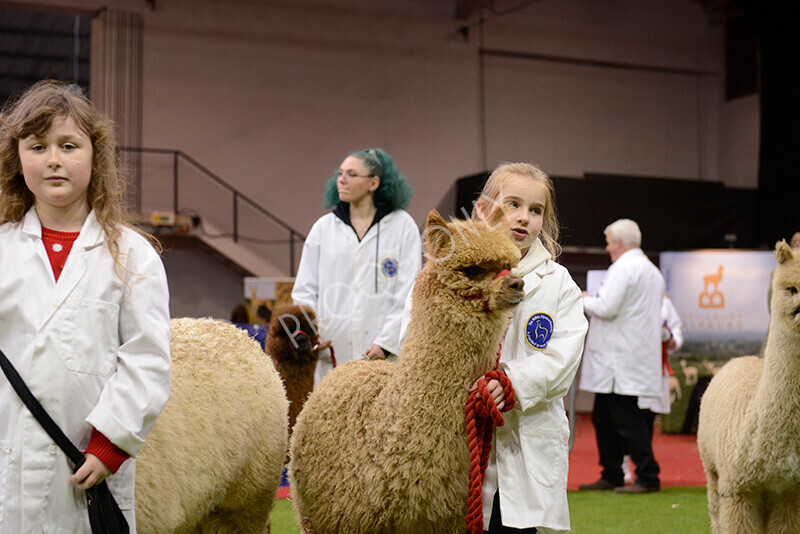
482 415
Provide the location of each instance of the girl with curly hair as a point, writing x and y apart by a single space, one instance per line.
84 309
360 260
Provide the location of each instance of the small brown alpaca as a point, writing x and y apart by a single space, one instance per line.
749 429
381 447
293 345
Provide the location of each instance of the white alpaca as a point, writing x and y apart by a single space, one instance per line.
749 429
213 461
689 373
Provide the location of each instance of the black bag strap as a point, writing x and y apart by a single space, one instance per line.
105 515
40 413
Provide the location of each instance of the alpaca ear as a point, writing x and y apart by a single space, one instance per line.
435 219
783 252
437 235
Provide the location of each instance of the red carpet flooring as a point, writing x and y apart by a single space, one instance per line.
676 454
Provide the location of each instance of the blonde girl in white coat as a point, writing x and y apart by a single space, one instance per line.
525 489
84 313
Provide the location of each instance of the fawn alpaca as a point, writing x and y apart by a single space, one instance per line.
382 447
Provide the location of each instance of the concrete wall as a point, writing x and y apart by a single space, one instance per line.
271 95
202 283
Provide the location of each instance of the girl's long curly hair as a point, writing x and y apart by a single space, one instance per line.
33 113
394 190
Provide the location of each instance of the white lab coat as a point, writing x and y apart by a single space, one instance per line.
358 288
623 346
670 318
94 350
529 457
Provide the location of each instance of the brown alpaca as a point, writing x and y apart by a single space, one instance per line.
382 447
292 343
749 429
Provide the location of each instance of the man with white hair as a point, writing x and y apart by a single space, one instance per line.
622 358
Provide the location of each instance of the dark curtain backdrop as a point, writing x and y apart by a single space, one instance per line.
778 31
674 214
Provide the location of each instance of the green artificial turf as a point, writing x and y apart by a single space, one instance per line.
671 511
282 520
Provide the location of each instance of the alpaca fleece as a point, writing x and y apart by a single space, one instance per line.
213 461
382 447
292 344
749 428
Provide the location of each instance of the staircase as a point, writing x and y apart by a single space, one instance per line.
175 195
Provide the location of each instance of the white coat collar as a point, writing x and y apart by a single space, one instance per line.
90 236
536 256
632 253
371 231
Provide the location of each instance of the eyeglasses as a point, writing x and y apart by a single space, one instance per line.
349 175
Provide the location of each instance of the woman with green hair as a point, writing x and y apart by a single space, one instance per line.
359 261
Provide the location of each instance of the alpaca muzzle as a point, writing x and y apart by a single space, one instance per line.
513 283
514 286
510 293
301 341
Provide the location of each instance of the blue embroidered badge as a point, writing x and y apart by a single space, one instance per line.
539 330
389 267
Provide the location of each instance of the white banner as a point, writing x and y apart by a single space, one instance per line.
593 280
720 294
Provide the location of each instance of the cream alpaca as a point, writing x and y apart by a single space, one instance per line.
749 432
213 461
382 447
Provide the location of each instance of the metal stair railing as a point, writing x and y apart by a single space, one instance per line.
188 198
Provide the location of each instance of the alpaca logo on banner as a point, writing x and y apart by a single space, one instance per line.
711 296
699 283
538 330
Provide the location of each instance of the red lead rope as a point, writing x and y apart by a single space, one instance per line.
479 437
